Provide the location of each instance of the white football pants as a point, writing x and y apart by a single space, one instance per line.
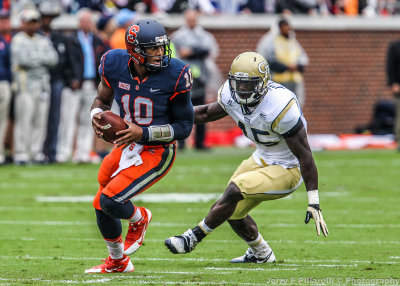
31 115
75 121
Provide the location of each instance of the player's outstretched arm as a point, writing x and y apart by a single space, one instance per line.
298 144
208 112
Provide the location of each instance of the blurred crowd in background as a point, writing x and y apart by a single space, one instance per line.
311 7
49 78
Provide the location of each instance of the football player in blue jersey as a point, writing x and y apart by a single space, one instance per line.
153 93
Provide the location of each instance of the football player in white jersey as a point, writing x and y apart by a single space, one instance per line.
271 117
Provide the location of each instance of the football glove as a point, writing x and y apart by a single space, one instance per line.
313 211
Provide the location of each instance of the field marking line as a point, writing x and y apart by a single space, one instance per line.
130 282
150 198
203 260
249 269
187 198
223 241
204 210
166 224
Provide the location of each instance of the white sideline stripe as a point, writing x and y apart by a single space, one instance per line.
209 260
149 198
181 198
249 269
206 209
166 224
351 242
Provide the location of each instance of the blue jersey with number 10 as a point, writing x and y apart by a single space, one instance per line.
147 102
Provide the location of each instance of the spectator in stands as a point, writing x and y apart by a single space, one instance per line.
238 6
86 50
58 75
5 25
310 7
32 55
286 57
253 6
5 5
195 45
5 32
124 19
5 87
179 6
393 76
106 26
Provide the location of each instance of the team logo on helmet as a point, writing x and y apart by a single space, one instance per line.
132 34
162 39
263 67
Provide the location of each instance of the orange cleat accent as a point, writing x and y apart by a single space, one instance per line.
136 231
123 265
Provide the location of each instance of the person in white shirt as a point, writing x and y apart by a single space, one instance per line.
32 55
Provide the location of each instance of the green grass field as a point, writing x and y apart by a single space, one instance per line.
52 243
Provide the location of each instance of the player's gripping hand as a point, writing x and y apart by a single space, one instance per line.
133 133
96 116
314 212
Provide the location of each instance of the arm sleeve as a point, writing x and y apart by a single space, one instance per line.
102 70
182 116
184 82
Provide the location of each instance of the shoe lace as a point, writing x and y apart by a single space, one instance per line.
135 230
191 238
111 263
250 253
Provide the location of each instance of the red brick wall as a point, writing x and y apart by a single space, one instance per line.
344 79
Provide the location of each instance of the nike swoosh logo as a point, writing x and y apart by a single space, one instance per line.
115 268
141 237
154 90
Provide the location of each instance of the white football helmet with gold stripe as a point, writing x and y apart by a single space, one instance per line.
248 78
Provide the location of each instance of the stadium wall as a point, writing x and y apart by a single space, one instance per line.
346 75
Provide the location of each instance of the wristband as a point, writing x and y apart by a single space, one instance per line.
95 111
313 198
161 133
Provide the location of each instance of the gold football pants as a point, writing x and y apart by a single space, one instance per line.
258 184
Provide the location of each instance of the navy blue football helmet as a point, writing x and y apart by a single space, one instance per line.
147 33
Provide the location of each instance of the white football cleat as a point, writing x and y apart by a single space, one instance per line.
183 243
251 257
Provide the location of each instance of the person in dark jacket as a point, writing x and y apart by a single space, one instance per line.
393 76
58 74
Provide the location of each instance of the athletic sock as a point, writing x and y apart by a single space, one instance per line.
115 247
137 215
259 245
201 230
207 230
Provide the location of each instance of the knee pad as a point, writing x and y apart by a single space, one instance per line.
116 209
